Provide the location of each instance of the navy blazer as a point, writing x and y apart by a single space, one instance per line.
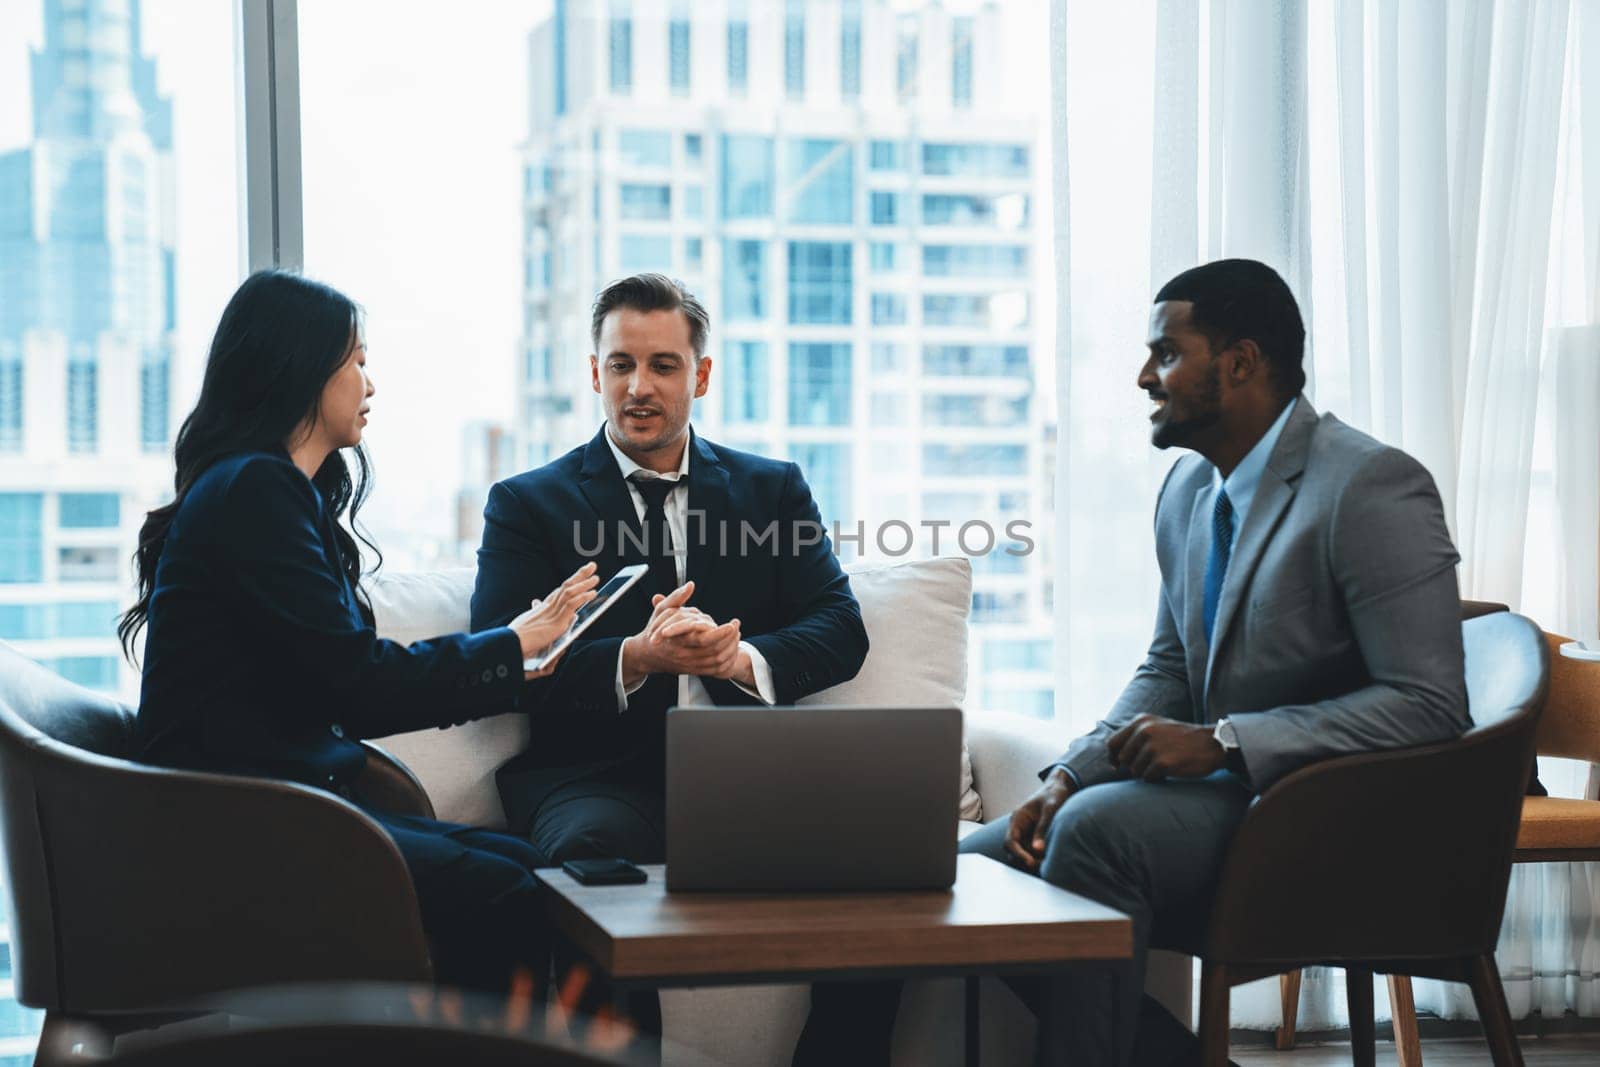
791 598
258 657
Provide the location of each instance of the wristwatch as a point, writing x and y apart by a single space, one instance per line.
1226 736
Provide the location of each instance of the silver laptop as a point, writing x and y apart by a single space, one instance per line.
812 798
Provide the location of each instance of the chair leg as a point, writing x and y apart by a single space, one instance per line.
1403 1009
1358 995
1289 995
1214 995
1490 997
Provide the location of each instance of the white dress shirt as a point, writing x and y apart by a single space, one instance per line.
691 690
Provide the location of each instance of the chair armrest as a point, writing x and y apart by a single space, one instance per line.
1008 752
166 885
1385 855
386 784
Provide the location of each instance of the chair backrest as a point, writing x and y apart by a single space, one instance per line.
49 704
1508 668
43 718
1570 725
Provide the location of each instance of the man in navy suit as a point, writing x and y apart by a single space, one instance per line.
745 602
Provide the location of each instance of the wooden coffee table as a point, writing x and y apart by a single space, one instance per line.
996 920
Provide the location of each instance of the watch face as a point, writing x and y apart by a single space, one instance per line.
1225 735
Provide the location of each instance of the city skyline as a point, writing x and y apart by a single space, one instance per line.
427 482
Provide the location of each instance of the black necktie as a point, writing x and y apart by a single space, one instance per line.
657 533
648 706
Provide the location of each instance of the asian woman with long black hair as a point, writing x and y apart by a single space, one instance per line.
260 653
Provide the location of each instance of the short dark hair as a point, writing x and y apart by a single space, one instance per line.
1239 299
652 292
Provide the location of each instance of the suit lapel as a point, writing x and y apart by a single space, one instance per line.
708 510
1279 483
600 481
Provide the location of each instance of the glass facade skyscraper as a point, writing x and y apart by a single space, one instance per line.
87 320
852 200
87 269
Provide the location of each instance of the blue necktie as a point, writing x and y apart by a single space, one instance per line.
1217 564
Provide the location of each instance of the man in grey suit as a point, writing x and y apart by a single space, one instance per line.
1308 609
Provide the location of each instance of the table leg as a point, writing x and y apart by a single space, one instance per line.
974 1053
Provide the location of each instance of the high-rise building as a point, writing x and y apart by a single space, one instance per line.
847 188
86 339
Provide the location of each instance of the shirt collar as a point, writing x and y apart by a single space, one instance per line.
1246 477
628 466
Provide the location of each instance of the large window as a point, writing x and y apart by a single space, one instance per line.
975 260
819 384
646 201
961 28
11 396
984 459
955 409
738 48
744 280
1005 211
678 48
744 381
83 401
640 252
820 286
747 176
975 160
905 57
644 148
89 511
21 537
980 360
821 177
621 46
888 155
794 48
120 192
887 208
850 49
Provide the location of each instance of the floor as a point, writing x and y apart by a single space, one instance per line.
1566 1050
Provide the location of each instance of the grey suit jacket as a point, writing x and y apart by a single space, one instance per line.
1338 628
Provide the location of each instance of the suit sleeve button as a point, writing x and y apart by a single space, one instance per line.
486 676
501 671
337 730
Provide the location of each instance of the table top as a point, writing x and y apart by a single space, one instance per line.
995 918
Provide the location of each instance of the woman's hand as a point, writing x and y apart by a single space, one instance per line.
548 619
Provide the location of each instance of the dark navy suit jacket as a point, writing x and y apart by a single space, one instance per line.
259 658
792 600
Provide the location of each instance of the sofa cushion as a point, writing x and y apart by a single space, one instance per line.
418 605
916 618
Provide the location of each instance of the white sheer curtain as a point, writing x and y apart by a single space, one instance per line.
1427 178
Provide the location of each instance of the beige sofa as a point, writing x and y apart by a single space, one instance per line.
915 613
